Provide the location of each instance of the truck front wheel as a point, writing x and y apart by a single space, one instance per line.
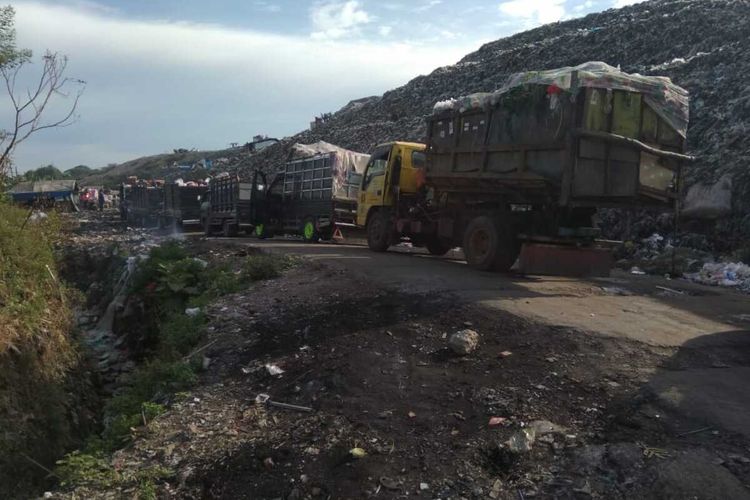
490 245
378 232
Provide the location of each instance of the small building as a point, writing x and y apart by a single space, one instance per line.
259 143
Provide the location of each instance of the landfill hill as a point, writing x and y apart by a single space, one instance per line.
162 166
703 45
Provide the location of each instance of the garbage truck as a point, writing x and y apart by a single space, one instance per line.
231 205
182 204
315 193
145 202
522 171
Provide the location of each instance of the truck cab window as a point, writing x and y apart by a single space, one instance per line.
418 159
376 167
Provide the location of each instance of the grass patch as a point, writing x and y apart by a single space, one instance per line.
169 281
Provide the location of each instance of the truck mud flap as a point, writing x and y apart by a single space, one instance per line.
561 260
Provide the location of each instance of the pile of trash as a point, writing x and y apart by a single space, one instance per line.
728 274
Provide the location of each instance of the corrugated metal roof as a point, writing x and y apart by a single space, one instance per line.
44 186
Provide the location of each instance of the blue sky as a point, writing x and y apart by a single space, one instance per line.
189 73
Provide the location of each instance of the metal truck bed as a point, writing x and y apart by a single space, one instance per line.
585 146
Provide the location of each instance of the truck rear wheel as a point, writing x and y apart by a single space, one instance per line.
379 232
262 232
309 232
490 245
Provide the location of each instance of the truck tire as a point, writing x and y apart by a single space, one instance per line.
261 231
379 232
490 245
437 247
309 231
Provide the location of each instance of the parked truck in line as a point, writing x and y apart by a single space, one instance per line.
144 202
230 206
528 166
182 205
315 192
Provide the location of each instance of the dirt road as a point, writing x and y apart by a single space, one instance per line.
648 309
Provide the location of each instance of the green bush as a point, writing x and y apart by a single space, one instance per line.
263 266
83 469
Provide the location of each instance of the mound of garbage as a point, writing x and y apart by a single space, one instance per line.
701 45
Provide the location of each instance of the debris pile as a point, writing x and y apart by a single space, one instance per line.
729 274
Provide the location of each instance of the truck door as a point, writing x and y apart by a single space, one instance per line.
373 189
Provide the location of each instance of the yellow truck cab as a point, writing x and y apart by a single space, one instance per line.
395 169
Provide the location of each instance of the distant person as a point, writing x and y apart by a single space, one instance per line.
101 200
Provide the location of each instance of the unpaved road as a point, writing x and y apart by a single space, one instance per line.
652 310
624 305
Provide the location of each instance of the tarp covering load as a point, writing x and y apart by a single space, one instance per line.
668 100
58 190
346 169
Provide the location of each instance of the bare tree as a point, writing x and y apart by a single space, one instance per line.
29 105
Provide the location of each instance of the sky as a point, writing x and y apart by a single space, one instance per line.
166 74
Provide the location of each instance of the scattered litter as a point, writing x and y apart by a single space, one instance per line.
412 414
357 453
464 342
266 399
424 486
636 270
273 369
505 354
192 311
495 421
726 274
652 452
521 441
670 290
388 483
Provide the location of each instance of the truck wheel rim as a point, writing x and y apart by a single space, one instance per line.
480 244
309 230
259 230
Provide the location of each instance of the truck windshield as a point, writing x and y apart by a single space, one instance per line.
376 167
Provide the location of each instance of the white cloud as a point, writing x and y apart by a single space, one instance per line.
427 5
157 85
533 12
267 6
588 4
333 20
624 3
385 30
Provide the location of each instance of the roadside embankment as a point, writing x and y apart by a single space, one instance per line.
43 387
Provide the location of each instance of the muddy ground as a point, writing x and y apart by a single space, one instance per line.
394 413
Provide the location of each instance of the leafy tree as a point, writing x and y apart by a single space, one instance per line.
46 173
78 172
